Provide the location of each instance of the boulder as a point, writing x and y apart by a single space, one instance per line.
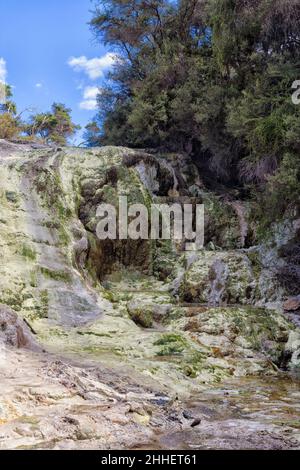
145 313
292 350
13 331
219 278
292 304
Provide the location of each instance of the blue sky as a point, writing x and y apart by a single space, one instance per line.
48 53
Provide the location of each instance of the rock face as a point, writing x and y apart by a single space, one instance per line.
292 349
279 261
173 321
219 278
14 332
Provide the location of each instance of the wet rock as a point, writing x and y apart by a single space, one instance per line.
187 415
160 401
148 312
196 422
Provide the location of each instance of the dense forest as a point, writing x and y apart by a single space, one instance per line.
212 78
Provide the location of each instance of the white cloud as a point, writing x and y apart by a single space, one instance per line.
90 94
3 70
88 105
38 85
95 67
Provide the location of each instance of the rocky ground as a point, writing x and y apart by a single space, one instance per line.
50 403
136 344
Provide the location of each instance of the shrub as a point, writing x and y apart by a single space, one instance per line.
8 126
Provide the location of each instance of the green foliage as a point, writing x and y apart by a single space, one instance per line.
60 276
282 192
8 126
54 127
9 106
142 317
171 344
28 252
9 122
91 134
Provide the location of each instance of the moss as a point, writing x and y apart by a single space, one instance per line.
63 211
49 185
222 228
236 283
165 260
116 297
174 314
171 349
51 224
12 298
98 350
91 265
91 333
172 344
142 317
190 371
64 237
56 275
12 197
255 262
44 299
109 195
28 252
291 423
33 279
169 338
194 364
255 324
60 333
110 296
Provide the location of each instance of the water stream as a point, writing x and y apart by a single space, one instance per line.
246 413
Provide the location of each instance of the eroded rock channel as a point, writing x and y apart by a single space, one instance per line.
137 344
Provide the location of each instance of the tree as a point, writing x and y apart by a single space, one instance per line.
208 77
8 106
54 127
91 134
10 125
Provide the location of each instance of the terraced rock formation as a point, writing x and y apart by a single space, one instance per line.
124 334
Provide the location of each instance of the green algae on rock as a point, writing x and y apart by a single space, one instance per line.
126 301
